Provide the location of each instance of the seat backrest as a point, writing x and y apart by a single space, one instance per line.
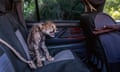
9 36
107 44
109 41
5 63
97 54
12 18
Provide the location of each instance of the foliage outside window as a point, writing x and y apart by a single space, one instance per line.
54 9
60 9
112 7
65 9
29 10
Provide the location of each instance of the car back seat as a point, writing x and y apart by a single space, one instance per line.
65 61
54 45
63 58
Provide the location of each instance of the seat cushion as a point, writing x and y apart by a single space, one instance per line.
65 66
5 64
64 62
61 56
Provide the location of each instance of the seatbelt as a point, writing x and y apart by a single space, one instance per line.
23 43
29 62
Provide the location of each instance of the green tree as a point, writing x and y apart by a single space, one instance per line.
54 9
65 9
29 9
112 7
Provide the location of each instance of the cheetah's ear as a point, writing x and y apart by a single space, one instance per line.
40 25
48 22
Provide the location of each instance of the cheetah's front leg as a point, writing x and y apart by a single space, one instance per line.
48 56
39 61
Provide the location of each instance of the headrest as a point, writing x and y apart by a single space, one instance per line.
103 19
17 0
97 2
5 6
2 6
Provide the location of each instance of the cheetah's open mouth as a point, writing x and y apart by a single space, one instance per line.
52 34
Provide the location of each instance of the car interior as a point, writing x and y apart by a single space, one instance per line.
75 47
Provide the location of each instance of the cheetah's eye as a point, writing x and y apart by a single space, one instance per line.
52 31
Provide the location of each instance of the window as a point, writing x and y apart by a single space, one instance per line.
29 10
112 7
63 9
53 9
